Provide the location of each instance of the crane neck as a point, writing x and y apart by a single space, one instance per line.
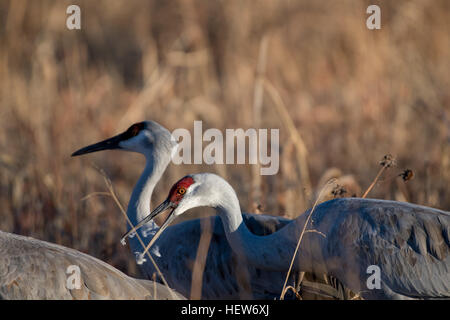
139 205
274 251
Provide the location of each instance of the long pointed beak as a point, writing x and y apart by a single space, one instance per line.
159 209
108 144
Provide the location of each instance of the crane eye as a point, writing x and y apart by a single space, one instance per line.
135 130
182 191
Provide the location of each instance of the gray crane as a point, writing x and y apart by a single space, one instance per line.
409 244
174 259
32 269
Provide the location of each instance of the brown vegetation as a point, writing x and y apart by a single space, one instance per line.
342 96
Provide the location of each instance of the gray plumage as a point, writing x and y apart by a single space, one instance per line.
409 243
225 275
176 250
35 269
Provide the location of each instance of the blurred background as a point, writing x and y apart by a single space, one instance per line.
342 96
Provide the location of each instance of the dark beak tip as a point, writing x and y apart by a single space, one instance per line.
108 144
80 152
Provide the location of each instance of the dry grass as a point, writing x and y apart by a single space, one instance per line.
299 241
342 96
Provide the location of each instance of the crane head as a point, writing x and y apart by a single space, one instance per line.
142 137
196 190
176 195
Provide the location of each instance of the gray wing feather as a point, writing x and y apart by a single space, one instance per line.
409 243
34 269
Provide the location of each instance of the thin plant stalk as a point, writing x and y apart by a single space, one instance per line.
283 292
374 182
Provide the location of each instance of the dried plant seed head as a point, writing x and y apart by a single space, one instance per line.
258 208
338 191
407 175
387 161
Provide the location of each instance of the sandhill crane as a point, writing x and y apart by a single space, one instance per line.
175 259
410 244
35 269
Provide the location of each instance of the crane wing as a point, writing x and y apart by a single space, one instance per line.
409 243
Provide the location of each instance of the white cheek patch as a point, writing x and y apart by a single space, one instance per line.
137 143
188 197
127 144
192 189
148 135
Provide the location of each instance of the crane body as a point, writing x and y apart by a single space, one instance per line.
32 269
410 244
